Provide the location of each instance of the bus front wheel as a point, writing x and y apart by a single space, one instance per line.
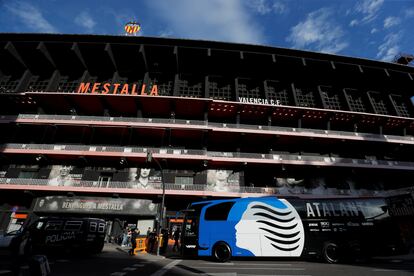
221 252
330 252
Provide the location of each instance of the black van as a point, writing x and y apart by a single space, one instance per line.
67 234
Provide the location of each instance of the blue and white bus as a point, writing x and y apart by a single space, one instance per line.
272 227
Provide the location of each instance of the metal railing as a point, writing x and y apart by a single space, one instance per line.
212 125
156 188
172 153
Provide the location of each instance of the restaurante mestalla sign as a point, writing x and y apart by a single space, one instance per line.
116 89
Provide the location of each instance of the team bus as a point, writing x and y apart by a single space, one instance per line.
331 229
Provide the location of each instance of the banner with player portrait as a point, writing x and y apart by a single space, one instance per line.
223 181
64 175
144 178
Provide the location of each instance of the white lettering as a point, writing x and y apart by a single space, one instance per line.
309 210
316 204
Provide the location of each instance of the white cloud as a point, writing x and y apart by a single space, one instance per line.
85 20
280 7
318 32
390 48
267 6
354 23
409 13
165 33
368 9
391 21
374 30
30 16
260 6
215 20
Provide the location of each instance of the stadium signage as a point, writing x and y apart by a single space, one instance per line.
116 88
259 101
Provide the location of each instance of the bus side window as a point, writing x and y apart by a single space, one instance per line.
73 225
101 228
92 226
54 225
219 211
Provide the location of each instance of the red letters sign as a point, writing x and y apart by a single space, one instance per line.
116 88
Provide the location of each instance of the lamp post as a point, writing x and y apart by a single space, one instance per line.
161 211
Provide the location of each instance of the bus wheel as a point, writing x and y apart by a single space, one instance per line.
330 252
221 252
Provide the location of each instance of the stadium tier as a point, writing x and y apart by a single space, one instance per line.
100 124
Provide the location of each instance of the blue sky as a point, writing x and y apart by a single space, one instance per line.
374 29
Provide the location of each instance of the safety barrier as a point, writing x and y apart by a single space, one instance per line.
141 245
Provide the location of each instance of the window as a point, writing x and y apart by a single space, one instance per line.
54 225
73 225
186 180
219 211
28 174
101 228
93 226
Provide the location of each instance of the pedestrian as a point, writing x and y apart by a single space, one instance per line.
148 231
124 237
164 243
152 237
134 237
176 236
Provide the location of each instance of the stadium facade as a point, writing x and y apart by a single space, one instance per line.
80 114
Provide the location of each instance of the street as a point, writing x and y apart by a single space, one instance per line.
114 261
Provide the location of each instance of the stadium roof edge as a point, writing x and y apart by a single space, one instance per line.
91 38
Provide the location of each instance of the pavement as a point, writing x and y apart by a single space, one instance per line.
168 254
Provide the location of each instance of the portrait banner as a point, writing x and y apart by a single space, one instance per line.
144 178
62 175
223 181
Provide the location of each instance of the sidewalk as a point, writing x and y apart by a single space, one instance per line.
168 254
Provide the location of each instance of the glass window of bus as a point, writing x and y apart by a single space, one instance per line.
72 225
374 209
54 225
219 211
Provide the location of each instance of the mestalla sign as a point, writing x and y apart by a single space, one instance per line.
117 89
95 205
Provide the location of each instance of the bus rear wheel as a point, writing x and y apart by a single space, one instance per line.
221 252
330 252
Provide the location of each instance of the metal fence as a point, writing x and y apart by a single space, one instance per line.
156 188
172 153
207 124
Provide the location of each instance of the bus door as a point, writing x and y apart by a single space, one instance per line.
189 234
190 231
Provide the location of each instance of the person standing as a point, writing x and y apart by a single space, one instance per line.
176 240
124 237
134 237
152 238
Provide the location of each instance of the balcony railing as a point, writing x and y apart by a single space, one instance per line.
239 157
188 189
335 134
